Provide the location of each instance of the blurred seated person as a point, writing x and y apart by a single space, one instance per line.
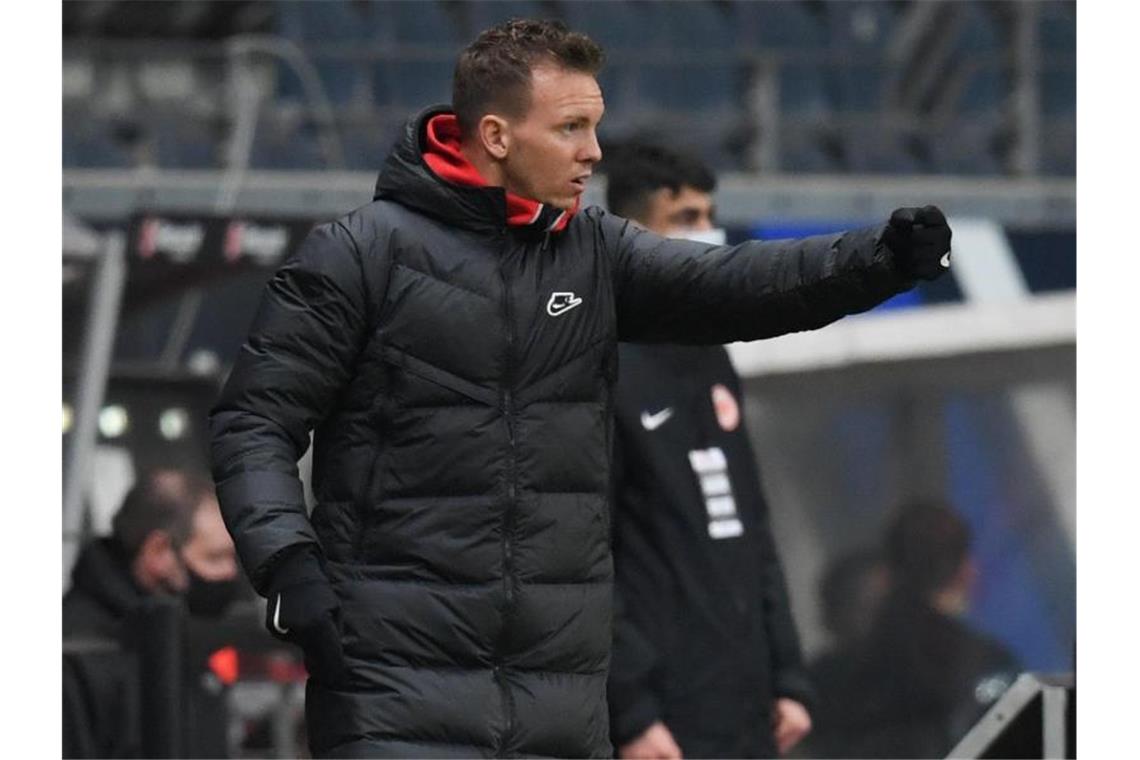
168 541
920 677
850 593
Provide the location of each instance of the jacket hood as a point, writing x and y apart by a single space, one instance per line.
426 172
104 571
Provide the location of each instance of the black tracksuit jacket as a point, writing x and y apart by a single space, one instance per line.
705 639
458 374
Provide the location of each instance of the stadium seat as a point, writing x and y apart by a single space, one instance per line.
325 30
859 33
1059 148
183 142
863 25
412 85
987 89
967 147
367 144
424 22
1057 27
429 37
331 21
871 147
698 26
764 26
616 26
804 88
859 86
691 86
981 32
286 143
1058 89
91 144
804 148
482 14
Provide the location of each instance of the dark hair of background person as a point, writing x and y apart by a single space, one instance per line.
161 500
925 546
635 170
493 73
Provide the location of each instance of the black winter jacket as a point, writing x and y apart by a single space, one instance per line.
458 376
101 691
706 639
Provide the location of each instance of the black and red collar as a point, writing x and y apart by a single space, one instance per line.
443 156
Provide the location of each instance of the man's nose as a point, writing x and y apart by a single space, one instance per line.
593 151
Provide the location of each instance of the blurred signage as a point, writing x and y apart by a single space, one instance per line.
179 242
265 244
165 239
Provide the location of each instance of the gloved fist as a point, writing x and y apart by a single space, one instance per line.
920 240
304 609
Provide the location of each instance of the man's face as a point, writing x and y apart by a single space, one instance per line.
554 147
669 213
209 553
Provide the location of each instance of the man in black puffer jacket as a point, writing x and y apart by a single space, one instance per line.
453 346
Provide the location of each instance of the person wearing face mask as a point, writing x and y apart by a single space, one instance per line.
168 543
706 659
210 559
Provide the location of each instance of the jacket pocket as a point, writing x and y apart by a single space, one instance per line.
441 377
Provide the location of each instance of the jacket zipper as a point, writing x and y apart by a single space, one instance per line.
508 514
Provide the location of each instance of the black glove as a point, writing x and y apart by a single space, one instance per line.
920 240
304 609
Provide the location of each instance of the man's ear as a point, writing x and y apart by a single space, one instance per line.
495 136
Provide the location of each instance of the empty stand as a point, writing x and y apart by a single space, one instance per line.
855 86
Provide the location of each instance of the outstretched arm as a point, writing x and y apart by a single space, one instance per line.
686 292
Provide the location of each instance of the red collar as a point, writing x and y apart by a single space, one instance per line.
446 160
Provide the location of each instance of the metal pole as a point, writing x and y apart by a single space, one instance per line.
1053 703
91 384
1026 90
763 102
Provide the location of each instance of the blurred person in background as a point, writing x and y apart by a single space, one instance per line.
706 659
921 676
452 346
851 592
168 540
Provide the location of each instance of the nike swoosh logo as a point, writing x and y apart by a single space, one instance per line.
277 618
945 260
560 303
656 420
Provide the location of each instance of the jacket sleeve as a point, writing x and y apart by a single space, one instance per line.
789 675
299 354
634 705
686 292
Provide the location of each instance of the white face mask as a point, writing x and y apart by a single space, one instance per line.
715 236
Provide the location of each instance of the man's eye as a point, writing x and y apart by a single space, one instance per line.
569 127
